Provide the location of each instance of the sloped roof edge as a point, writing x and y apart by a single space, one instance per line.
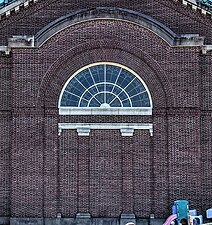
173 39
15 6
120 14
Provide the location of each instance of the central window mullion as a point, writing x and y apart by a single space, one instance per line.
105 83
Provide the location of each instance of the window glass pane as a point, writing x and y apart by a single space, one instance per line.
135 87
109 87
116 103
112 73
100 97
94 103
116 90
83 78
126 103
140 100
87 95
109 97
93 90
122 95
83 103
69 99
75 87
100 87
98 73
125 78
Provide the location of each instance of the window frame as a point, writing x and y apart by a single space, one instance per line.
67 110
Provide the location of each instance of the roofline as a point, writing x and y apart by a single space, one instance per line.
101 13
15 6
121 14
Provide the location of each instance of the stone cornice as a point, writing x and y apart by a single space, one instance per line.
15 7
206 49
126 129
195 4
5 49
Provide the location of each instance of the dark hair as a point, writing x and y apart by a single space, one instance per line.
184 221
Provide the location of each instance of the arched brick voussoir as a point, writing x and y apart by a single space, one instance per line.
105 51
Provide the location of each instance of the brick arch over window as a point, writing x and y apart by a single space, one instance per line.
105 51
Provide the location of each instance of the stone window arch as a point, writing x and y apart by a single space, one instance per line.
105 88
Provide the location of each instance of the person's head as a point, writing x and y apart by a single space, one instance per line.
184 221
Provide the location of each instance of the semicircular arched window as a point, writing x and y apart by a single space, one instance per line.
105 88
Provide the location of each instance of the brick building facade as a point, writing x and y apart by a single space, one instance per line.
104 163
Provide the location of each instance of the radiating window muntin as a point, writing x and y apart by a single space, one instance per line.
105 85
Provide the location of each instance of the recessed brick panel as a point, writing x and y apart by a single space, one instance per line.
185 180
5 171
142 173
206 155
68 173
105 173
27 166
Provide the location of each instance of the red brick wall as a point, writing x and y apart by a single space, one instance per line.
104 174
184 157
52 187
27 164
160 163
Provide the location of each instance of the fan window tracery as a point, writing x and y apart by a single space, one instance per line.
105 85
